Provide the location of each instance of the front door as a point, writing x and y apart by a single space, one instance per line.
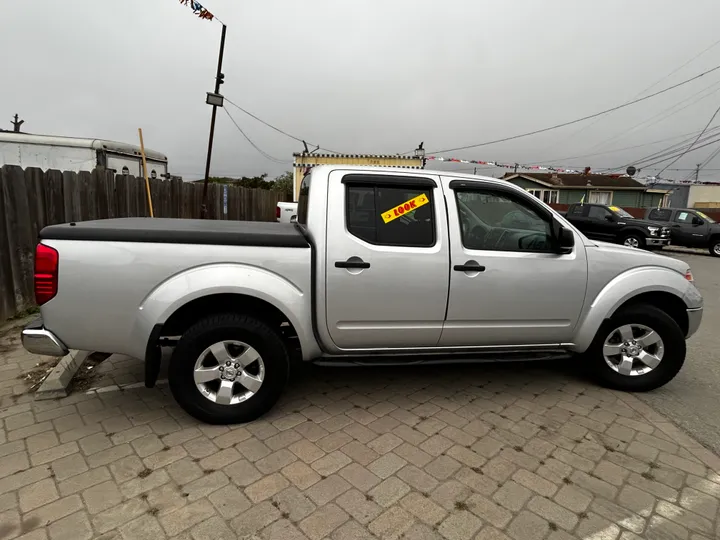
688 229
508 285
387 261
602 222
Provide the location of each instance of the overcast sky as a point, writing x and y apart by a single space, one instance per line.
365 77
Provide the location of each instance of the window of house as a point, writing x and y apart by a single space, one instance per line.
660 214
600 197
497 221
409 216
546 195
598 212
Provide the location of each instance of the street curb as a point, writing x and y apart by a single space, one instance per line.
56 383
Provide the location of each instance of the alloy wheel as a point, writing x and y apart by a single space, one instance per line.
633 349
229 372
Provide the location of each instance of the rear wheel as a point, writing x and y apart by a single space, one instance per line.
228 369
639 349
634 241
715 247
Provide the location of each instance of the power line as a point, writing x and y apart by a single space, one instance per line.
661 116
298 139
673 72
556 126
695 141
615 150
255 146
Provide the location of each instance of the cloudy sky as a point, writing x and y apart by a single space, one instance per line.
367 77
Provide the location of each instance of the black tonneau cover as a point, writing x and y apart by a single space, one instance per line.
180 231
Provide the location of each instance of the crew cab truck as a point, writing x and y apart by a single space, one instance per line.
688 227
613 224
384 266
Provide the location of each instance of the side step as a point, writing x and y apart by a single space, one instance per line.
435 359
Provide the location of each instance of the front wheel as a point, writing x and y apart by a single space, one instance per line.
639 349
634 241
228 369
715 247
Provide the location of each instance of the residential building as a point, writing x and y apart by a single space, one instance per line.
559 188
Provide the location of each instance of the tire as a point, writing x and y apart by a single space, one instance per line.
232 334
715 247
672 341
634 241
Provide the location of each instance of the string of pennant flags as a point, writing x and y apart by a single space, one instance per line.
198 9
507 165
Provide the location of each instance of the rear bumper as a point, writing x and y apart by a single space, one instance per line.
657 241
37 340
694 319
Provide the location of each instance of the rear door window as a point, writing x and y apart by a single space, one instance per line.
660 214
390 215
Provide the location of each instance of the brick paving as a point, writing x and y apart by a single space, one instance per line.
456 453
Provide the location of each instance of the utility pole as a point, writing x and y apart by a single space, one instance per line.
17 123
516 168
216 100
697 172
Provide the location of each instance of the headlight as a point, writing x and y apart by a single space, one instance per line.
653 230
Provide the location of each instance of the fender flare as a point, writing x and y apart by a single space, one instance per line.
224 278
624 287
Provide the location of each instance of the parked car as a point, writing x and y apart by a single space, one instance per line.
286 212
688 227
384 266
613 224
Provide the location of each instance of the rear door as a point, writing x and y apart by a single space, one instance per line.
508 286
387 260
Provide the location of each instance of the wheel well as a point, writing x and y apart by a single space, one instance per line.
667 302
714 238
199 308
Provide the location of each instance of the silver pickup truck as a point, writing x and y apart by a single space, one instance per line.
384 266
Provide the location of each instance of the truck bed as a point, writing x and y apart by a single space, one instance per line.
180 231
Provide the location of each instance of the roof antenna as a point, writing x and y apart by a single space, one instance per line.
17 123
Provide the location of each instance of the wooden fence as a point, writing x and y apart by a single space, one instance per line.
30 199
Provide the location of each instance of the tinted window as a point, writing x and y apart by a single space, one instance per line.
303 197
660 214
496 221
391 215
577 210
598 212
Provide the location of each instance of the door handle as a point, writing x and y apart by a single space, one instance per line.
468 267
352 264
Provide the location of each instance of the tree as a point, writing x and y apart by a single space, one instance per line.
284 184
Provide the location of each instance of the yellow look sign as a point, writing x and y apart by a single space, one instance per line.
404 208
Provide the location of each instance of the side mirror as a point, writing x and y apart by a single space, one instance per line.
610 218
697 221
566 240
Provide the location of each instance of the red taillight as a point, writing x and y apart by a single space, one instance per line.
46 273
277 212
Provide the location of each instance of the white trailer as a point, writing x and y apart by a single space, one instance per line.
75 154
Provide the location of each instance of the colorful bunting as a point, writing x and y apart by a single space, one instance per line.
507 165
198 9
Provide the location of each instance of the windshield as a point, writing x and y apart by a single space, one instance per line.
620 212
706 218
